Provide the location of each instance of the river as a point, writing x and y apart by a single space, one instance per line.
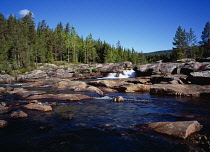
101 125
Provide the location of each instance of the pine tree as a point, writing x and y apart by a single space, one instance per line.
192 44
180 42
4 46
206 39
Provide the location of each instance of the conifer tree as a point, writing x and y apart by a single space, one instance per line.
180 42
206 39
192 44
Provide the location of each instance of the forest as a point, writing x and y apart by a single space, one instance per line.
23 45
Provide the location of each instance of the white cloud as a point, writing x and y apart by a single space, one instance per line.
24 12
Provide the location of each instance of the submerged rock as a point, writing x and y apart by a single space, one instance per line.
180 129
68 117
3 123
18 114
39 106
4 109
119 99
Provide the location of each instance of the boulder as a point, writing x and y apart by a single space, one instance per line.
158 68
18 114
13 90
142 80
4 109
68 117
105 89
3 123
71 97
170 68
119 99
180 129
69 85
42 82
179 90
170 79
35 74
134 88
63 73
2 89
64 97
190 67
201 78
25 93
147 69
90 89
114 67
38 106
108 83
6 78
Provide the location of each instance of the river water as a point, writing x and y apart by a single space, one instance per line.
101 125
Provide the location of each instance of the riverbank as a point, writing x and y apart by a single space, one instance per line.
162 98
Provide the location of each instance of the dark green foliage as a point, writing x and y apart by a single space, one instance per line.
22 46
206 40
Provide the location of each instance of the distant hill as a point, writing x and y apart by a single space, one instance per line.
159 52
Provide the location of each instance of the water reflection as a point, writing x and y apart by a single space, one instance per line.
100 124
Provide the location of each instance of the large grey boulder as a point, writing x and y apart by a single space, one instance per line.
179 90
201 78
158 68
6 78
190 67
35 74
114 67
180 129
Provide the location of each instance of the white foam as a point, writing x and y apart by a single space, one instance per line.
122 74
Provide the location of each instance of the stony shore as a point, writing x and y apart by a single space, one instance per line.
188 78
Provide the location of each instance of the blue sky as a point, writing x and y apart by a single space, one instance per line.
145 25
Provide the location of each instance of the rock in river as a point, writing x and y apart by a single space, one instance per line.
4 109
179 90
64 97
119 99
3 123
180 129
18 114
39 106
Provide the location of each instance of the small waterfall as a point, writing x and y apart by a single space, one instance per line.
121 74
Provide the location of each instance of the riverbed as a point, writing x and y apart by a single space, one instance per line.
99 124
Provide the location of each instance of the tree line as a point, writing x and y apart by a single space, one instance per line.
186 45
22 45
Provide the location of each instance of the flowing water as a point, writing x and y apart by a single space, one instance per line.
121 74
101 125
